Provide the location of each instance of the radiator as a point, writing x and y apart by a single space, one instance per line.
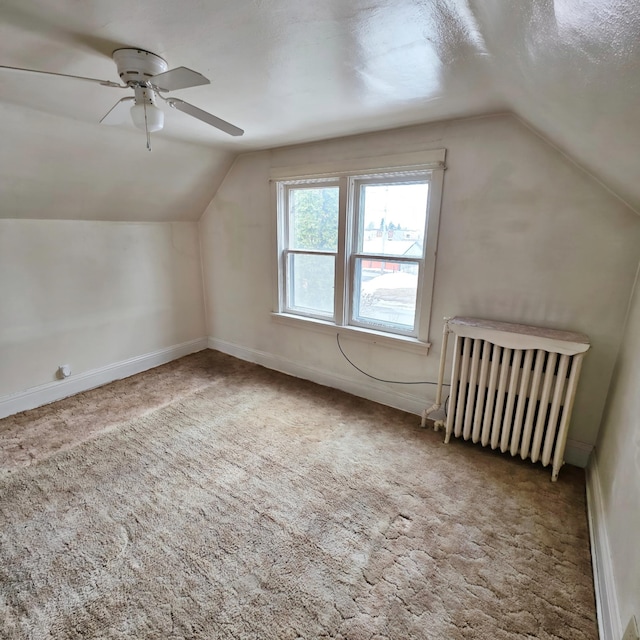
512 387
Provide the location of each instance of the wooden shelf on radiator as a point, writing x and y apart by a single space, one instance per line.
520 336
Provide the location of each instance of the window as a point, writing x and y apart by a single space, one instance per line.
311 252
356 248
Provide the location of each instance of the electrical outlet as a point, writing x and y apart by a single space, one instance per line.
631 632
64 371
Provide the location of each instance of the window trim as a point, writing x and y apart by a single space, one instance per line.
370 336
341 172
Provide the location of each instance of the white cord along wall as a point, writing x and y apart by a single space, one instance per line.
512 387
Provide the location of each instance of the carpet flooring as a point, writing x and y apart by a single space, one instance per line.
248 504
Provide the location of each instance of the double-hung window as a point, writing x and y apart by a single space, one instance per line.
356 247
311 254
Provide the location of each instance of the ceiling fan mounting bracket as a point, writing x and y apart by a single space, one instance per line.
136 66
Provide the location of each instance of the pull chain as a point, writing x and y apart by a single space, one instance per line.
146 128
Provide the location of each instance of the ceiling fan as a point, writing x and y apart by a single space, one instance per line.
146 73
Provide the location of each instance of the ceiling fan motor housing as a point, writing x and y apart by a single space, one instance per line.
137 66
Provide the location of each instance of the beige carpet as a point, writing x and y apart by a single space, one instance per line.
259 506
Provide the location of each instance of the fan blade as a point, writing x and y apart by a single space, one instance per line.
119 113
218 123
105 83
178 78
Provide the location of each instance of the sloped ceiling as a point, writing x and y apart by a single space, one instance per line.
291 71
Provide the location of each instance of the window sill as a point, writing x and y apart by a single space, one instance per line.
403 343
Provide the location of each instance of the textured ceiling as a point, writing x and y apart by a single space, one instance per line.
291 71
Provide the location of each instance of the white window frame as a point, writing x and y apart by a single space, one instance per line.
284 188
347 175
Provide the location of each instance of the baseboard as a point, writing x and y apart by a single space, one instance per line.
609 622
52 391
576 453
362 389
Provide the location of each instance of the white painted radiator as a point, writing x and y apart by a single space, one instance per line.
512 387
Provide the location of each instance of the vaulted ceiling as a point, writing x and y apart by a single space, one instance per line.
290 71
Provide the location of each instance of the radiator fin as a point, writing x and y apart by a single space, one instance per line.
516 399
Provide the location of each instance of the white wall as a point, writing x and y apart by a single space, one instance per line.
61 168
91 294
618 471
525 236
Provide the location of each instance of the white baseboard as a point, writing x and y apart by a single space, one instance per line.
576 453
52 391
362 389
609 622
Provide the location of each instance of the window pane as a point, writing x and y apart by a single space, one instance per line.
393 218
313 219
385 293
311 283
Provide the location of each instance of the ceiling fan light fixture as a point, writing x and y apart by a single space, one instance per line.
147 116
